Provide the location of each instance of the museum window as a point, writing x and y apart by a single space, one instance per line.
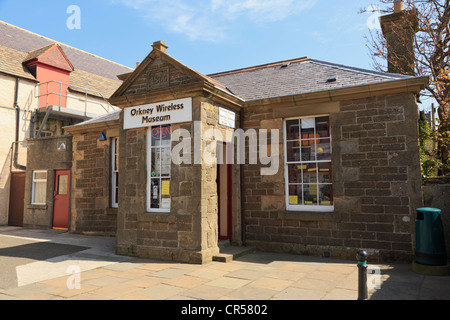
159 168
308 169
115 172
39 188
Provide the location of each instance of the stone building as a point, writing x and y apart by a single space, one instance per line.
331 160
299 156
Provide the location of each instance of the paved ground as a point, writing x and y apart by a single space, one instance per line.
54 265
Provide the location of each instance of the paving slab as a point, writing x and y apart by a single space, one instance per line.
259 275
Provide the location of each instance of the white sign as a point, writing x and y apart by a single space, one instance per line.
157 114
227 118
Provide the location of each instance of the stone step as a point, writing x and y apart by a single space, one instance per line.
229 253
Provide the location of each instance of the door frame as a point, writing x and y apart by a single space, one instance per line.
55 191
229 193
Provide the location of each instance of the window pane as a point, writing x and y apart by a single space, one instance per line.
40 175
166 133
292 129
156 136
325 195
323 127
325 173
307 154
63 184
154 193
295 173
156 163
308 126
310 173
293 151
40 192
165 162
295 194
310 193
116 180
165 194
324 149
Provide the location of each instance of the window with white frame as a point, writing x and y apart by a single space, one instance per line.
115 172
308 170
39 187
159 168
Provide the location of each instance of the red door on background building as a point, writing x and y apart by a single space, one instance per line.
61 196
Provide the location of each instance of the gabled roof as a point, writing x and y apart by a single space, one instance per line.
37 53
25 41
156 53
52 55
18 45
297 76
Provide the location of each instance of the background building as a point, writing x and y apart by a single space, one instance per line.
44 86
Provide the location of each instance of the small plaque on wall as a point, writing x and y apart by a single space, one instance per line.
62 146
227 118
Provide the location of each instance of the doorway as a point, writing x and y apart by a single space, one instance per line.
61 197
16 199
224 192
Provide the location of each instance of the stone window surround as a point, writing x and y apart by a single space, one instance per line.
33 186
301 208
150 149
114 173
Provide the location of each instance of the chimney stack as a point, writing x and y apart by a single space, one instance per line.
399 6
161 46
399 29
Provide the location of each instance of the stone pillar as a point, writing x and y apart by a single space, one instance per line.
189 233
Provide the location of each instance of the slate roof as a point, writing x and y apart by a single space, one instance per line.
112 116
16 46
297 76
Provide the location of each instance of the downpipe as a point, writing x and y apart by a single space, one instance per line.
16 142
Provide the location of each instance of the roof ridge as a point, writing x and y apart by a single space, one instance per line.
362 70
38 52
267 65
63 44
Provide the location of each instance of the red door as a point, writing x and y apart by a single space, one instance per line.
61 197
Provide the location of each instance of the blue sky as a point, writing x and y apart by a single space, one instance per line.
207 35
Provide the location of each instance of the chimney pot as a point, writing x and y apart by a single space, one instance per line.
161 46
399 6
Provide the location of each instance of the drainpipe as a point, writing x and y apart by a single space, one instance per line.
243 235
16 143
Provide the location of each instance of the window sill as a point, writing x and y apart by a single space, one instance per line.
309 215
163 212
37 206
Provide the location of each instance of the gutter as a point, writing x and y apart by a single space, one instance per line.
413 85
16 142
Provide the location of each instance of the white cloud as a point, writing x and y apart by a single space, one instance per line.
210 19
263 10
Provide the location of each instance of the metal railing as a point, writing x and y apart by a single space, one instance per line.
87 94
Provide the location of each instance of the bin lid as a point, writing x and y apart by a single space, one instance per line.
430 210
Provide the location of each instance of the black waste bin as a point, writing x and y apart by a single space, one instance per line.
430 241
